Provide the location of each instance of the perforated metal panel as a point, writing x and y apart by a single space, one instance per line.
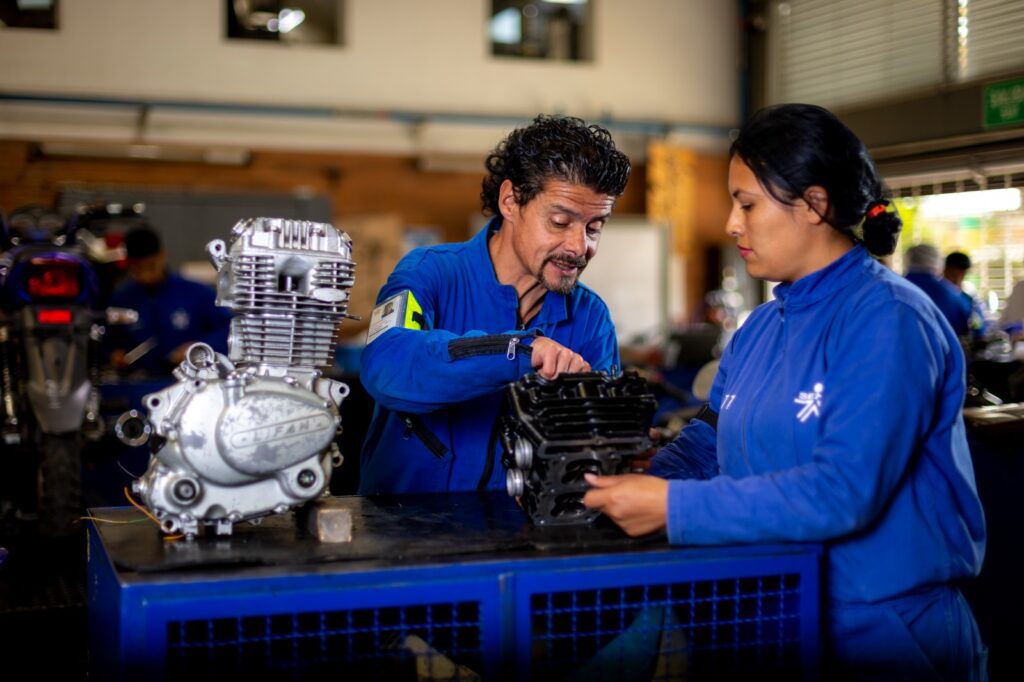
440 641
686 630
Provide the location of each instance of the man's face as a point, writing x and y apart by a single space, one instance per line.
148 271
557 232
955 275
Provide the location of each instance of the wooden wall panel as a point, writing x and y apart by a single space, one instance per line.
711 211
713 201
370 192
356 184
689 191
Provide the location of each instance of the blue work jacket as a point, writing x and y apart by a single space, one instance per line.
174 312
956 306
439 389
839 420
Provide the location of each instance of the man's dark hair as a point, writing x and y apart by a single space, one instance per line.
554 148
958 261
142 242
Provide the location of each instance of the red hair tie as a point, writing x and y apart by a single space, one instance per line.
876 210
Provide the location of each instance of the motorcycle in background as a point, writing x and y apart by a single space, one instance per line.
51 325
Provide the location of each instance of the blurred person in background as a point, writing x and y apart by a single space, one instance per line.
835 415
954 272
174 312
924 269
1012 317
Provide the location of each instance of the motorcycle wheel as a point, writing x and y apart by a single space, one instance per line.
59 486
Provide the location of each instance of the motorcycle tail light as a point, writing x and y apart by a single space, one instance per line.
54 316
50 278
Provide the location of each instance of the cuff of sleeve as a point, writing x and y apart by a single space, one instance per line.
661 465
526 338
674 517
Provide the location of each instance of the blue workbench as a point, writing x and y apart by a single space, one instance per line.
444 587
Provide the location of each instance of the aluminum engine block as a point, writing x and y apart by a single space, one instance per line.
252 433
557 430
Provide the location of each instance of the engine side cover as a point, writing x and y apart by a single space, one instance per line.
267 431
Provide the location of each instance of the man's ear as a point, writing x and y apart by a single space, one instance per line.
507 199
816 199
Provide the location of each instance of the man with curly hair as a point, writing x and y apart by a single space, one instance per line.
468 318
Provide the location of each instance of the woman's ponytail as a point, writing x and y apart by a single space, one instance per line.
881 228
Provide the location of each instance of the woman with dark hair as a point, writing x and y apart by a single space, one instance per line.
835 415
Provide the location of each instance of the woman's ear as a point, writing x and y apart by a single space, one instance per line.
816 199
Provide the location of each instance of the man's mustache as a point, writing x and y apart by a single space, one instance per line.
579 262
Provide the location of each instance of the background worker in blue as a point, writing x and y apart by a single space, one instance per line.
924 269
1012 317
835 415
954 272
174 312
466 319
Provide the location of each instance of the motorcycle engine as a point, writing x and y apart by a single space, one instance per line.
252 433
557 430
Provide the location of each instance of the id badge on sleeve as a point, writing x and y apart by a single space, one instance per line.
401 310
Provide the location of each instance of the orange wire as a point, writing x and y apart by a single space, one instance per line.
96 518
167 538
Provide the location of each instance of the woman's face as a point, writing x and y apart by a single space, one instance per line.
776 241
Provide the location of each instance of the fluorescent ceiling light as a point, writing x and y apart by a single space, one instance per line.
224 156
970 203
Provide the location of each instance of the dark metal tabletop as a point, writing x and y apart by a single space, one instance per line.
392 530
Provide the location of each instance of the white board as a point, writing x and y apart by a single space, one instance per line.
630 273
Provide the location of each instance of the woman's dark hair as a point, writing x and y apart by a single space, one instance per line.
558 148
792 147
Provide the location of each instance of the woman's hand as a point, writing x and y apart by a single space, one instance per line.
637 502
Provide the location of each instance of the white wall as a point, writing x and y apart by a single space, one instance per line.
631 273
673 61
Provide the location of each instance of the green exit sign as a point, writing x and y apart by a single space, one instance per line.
1004 103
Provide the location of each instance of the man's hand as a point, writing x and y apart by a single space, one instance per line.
551 358
638 503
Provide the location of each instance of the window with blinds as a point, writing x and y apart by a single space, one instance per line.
993 240
845 52
989 37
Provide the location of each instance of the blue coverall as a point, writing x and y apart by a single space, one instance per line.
176 311
439 389
839 421
954 304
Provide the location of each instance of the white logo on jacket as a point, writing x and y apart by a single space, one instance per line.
810 402
180 319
